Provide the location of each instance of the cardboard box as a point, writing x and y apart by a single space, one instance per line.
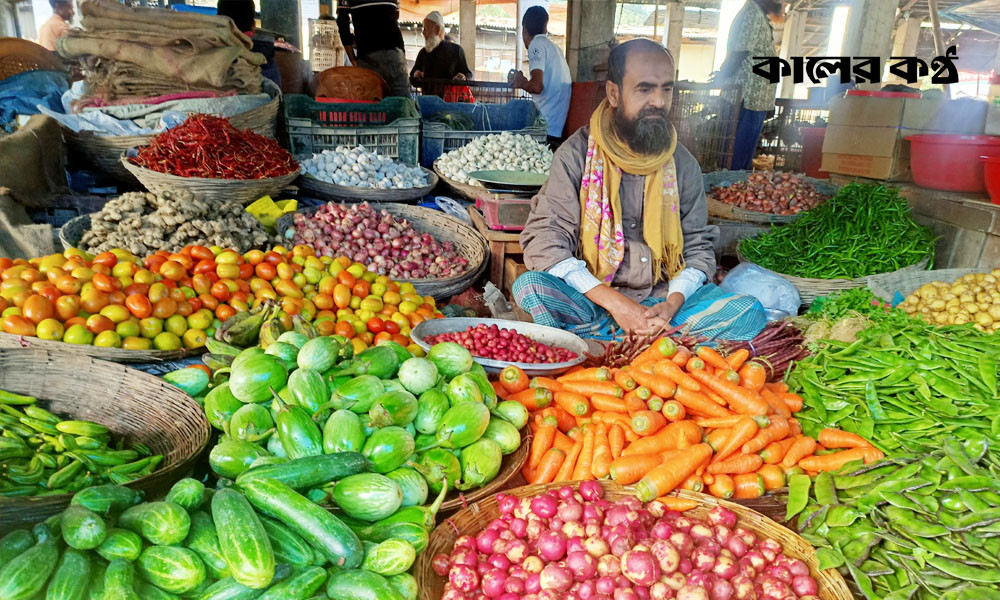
871 152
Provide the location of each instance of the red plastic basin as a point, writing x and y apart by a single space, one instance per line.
812 151
951 163
991 172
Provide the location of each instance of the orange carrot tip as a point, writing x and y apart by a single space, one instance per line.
678 504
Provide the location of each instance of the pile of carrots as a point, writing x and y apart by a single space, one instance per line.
674 419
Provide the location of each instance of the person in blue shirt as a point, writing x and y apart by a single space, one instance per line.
549 81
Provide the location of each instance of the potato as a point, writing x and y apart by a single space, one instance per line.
989 279
937 305
966 297
961 319
959 289
928 291
953 310
970 307
940 318
994 312
952 302
984 318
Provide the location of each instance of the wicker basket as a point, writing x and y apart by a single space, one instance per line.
134 405
444 228
475 518
72 232
329 191
510 473
222 190
469 192
118 355
905 282
105 151
19 56
722 210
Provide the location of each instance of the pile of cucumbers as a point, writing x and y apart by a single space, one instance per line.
261 540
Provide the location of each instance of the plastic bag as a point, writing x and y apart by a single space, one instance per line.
776 294
268 211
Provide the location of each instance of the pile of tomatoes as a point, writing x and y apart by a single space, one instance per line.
167 301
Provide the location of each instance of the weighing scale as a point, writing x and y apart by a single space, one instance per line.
508 203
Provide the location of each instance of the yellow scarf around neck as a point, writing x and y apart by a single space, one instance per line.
602 239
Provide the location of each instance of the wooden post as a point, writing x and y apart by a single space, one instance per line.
467 32
938 37
656 19
869 31
284 17
673 30
791 45
589 31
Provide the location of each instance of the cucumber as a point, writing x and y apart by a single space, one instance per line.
148 591
69 582
413 485
161 523
390 557
171 568
243 540
13 544
104 499
405 585
119 581
120 543
82 528
191 381
368 496
360 585
230 589
324 532
95 585
187 493
301 585
343 433
25 575
288 546
203 539
311 471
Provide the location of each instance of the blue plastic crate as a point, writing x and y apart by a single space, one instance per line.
518 116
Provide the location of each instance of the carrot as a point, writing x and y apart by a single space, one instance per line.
623 379
543 440
741 463
673 411
658 384
546 382
575 404
668 369
773 477
792 401
667 476
712 357
775 405
717 437
648 422
660 349
802 448
775 451
678 504
527 472
562 442
549 466
674 435
566 470
642 392
736 359
586 460
589 388
611 418
564 420
683 355
714 397
575 434
513 379
695 364
721 422
778 387
604 403
601 464
740 399
616 440
591 374
777 430
708 478
501 391
753 375
581 421
741 433
533 398
748 485
545 419
832 462
722 486
693 483
698 403
794 427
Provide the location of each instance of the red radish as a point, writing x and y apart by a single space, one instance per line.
463 578
499 561
747 536
532 584
485 539
780 573
440 563
640 567
514 585
685 566
798 568
552 545
700 578
592 527
662 530
620 545
506 504
605 585
725 567
667 557
490 341
757 560
534 529
510 596
721 590
555 577
533 564
682 542
591 490
625 594
674 581
721 516
570 510
702 559
493 583
556 524
516 551
464 556
596 546
683 524
743 587
483 567
586 590
572 529
660 591
642 592
804 585
773 588
722 534
452 594
700 533
583 565
544 506
466 541
609 564
692 592
737 546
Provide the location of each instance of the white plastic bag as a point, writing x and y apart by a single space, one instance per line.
776 294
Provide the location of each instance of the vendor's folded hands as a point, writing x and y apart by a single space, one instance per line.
459 77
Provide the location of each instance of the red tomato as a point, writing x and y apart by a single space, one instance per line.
139 305
376 325
391 327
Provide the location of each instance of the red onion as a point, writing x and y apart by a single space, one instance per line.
440 564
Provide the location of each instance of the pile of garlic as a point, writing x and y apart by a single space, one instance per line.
496 152
360 168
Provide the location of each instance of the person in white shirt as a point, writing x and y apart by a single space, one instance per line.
550 84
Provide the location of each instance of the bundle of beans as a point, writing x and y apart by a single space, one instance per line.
387 245
573 543
142 223
777 347
771 192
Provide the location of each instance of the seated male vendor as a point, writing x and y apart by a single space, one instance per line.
619 234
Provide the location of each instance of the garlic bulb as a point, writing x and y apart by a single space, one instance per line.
360 168
498 152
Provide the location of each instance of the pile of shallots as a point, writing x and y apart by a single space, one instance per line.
388 246
574 545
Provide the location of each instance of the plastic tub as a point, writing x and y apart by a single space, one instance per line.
991 173
812 151
951 163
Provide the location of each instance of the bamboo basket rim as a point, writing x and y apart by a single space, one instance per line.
331 191
132 403
509 468
469 192
10 341
724 210
139 171
832 585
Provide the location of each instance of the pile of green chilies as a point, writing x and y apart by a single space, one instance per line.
914 527
863 230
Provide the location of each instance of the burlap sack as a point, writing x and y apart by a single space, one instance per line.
19 237
33 162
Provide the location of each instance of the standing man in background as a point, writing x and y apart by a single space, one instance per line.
57 25
440 58
244 16
751 35
550 83
377 42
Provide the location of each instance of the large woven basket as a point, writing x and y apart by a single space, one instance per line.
510 473
136 406
465 190
72 232
118 355
329 191
105 151
19 56
905 282
730 212
444 228
477 517
222 190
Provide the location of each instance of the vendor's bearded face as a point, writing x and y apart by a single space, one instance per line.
432 35
643 100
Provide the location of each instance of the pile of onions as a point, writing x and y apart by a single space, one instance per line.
574 545
771 192
388 246
490 341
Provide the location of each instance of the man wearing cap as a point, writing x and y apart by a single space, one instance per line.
439 59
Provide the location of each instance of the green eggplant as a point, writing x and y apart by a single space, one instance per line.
298 433
333 383
463 388
275 448
282 351
413 484
357 395
485 388
463 424
380 361
504 434
251 423
431 407
437 465
424 441
397 408
343 433
513 412
220 405
388 448
217 361
308 389
425 516
231 457
401 353
480 463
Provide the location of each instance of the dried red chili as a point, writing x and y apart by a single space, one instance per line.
210 147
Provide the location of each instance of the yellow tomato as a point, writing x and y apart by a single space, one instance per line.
167 341
50 329
78 334
325 260
344 312
372 304
82 273
400 319
124 269
201 319
123 255
194 338
359 345
392 298
364 315
176 324
377 289
53 260
299 279
227 270
227 258
414 298
313 262
128 329
216 251
342 296
108 339
157 292
355 302
407 307
415 350
407 288
357 269
11 311
298 259
429 300
77 252
136 343
335 267
150 327
369 276
144 276
116 312
312 274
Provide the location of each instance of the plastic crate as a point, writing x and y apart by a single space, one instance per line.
390 127
517 116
